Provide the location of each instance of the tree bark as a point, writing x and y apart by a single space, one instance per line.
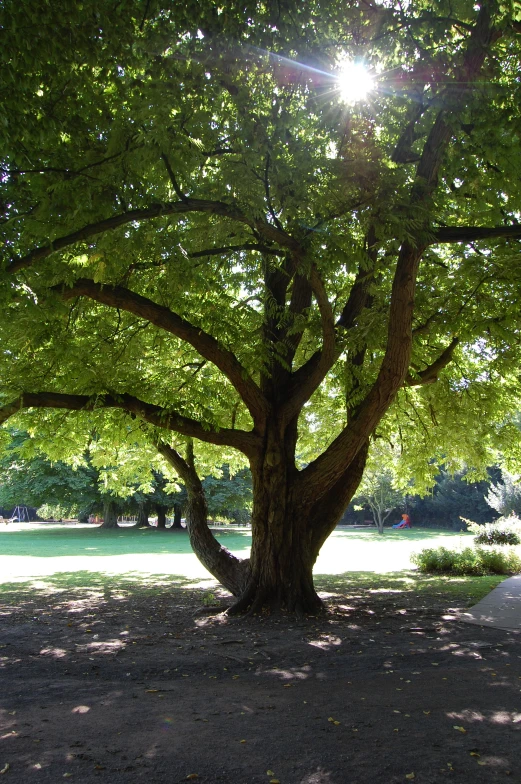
142 515
176 525
161 517
110 517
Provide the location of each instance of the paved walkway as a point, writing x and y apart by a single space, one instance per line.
501 608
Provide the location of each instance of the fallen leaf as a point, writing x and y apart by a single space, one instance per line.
426 712
460 729
192 776
151 691
5 768
67 775
270 773
410 776
274 781
242 741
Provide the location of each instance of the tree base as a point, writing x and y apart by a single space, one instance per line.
260 600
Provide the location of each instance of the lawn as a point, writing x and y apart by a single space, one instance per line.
29 552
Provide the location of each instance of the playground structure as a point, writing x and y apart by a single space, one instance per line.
20 514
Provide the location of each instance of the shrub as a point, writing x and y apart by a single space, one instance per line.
475 561
505 530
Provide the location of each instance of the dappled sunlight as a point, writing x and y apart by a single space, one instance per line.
318 777
55 653
326 641
291 674
102 647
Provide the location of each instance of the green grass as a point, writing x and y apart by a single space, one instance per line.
55 558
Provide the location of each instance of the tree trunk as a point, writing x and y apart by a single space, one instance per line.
142 515
110 517
286 536
176 525
161 516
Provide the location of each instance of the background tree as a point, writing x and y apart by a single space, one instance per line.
505 496
203 240
452 498
377 489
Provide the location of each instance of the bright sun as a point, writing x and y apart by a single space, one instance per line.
354 82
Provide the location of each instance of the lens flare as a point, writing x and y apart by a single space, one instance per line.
354 82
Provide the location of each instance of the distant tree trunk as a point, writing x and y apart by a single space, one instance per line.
176 525
161 516
142 515
110 517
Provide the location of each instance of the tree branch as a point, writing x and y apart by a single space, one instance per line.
207 346
235 249
474 233
265 229
154 415
232 572
430 374
327 354
179 193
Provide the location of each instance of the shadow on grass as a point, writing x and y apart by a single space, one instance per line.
467 589
464 590
86 581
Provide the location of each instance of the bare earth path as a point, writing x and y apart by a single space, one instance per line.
126 684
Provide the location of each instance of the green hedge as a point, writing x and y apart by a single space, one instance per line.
471 560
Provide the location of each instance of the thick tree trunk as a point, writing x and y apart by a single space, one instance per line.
176 525
286 536
142 515
161 516
110 517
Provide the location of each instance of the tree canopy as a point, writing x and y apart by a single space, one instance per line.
204 240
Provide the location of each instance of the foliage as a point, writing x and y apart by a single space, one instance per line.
62 490
505 496
229 495
55 511
467 561
505 530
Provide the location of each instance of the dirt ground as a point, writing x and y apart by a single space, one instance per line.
128 684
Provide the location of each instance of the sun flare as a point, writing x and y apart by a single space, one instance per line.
354 82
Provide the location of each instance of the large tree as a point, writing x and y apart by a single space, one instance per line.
202 235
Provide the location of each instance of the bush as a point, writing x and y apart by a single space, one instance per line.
505 530
468 561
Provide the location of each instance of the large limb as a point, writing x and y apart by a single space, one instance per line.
232 572
474 233
266 230
325 357
207 346
155 415
310 375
